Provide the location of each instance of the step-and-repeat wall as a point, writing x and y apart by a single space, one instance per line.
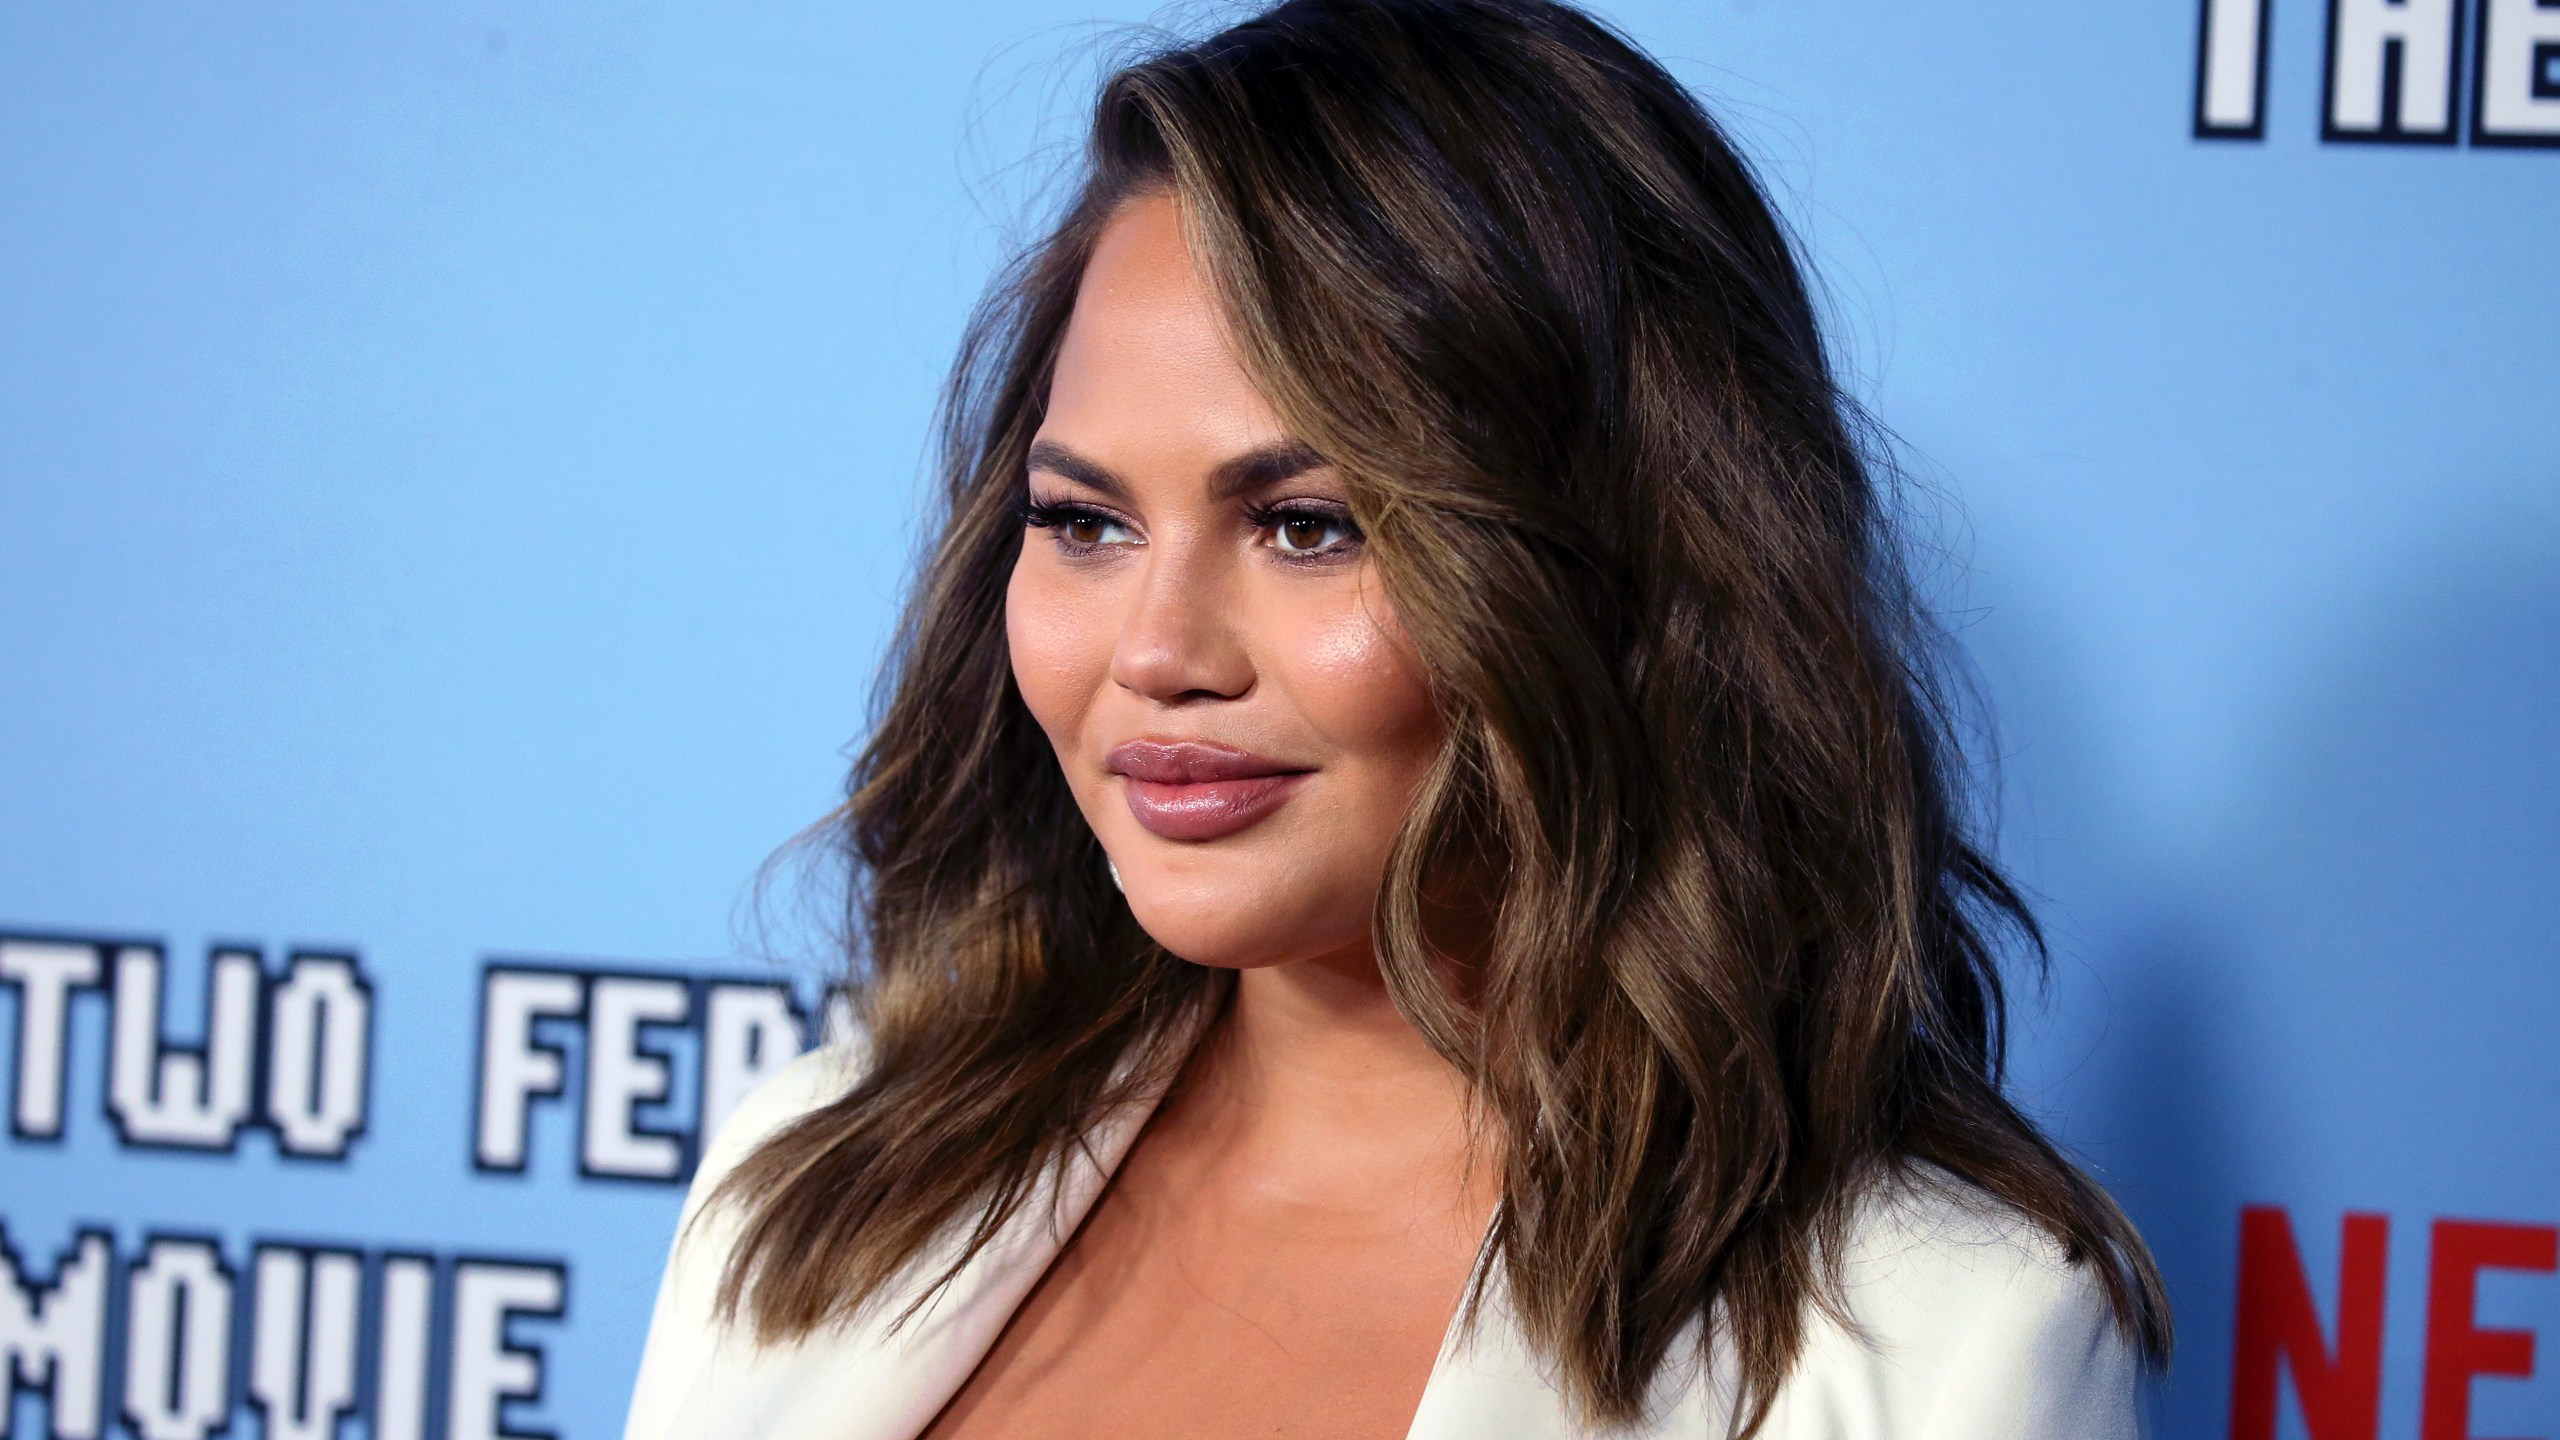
457 463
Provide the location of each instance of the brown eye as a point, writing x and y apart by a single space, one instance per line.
1087 529
1309 532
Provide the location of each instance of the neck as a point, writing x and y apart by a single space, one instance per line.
1317 1083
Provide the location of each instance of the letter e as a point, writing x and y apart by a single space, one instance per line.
2516 95
489 1369
621 1076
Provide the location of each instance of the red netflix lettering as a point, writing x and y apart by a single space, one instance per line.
2341 1393
2457 1348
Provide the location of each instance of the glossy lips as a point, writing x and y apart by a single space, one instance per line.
1192 790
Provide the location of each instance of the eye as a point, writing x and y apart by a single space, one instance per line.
1088 529
1307 531
1078 528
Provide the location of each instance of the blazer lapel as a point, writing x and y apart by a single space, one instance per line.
1486 1385
1489 1385
868 1380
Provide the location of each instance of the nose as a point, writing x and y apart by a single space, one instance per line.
1179 641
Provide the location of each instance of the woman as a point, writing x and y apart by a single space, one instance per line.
1412 863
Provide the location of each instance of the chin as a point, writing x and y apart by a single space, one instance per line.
1241 921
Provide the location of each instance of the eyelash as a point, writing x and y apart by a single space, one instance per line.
1058 514
1272 517
1055 515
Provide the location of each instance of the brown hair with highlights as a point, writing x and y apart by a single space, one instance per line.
1513 281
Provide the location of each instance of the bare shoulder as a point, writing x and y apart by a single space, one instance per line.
1965 1317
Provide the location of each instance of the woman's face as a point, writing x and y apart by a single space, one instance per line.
1197 624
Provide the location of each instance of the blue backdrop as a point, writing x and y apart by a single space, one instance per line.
458 461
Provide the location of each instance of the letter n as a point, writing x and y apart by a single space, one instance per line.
2279 1325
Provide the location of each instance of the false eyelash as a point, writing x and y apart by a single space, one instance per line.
1265 516
1050 514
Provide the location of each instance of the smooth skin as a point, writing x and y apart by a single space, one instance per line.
1283 1249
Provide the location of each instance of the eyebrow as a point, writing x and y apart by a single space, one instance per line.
1239 474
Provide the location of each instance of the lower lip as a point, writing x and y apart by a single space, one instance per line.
1210 809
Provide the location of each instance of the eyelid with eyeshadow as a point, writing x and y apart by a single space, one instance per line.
1055 515
1271 515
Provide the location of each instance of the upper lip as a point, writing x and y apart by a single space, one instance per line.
1190 762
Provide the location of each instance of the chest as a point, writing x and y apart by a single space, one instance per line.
1214 1311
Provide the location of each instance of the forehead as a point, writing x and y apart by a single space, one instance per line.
1145 358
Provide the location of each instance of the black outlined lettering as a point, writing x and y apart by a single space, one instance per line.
491 1369
303 1337
750 1030
2515 90
623 1073
178 1097
431 1350
2394 71
515 1066
319 1055
53 1337
2231 70
177 1351
404 1349
44 972
289 1054
637 1118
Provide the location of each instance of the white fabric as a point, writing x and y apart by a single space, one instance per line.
1968 1326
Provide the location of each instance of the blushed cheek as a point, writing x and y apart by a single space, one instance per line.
1046 639
1365 686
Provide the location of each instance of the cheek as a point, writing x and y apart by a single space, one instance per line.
1357 680
1059 648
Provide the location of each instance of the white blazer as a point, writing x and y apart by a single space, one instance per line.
1969 1326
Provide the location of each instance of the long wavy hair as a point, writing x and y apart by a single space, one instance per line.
1511 279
